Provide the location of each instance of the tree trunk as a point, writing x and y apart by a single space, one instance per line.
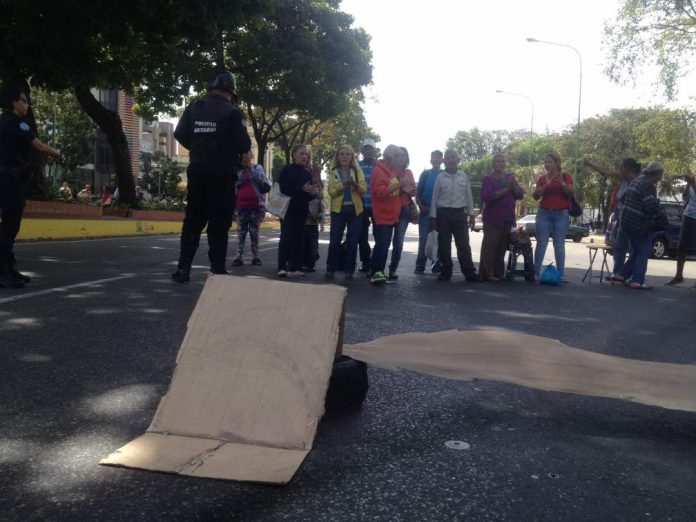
110 123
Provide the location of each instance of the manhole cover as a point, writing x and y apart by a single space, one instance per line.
457 445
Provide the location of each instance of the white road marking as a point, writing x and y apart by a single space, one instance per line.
63 288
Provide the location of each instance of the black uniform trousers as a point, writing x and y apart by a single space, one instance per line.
11 209
210 201
454 222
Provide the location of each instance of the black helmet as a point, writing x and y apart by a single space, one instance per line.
225 80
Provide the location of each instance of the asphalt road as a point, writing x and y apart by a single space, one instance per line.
88 348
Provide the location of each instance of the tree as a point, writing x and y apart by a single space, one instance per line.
160 173
300 62
61 122
474 144
324 136
299 55
657 32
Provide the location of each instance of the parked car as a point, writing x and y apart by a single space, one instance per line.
576 233
665 240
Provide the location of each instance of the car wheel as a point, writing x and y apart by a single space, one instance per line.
347 387
659 247
577 238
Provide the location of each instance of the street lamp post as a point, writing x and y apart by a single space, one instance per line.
577 130
531 126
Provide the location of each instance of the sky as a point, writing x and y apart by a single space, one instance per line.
438 63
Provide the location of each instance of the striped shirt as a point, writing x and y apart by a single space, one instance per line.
641 208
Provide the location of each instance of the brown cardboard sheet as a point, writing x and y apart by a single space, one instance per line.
249 386
535 362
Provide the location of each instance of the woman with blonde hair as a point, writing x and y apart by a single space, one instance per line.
553 191
346 183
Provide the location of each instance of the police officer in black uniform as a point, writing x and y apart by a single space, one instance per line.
16 141
215 133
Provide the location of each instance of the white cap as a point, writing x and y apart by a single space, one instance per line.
369 143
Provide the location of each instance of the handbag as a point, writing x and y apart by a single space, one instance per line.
550 276
412 212
278 202
431 246
574 208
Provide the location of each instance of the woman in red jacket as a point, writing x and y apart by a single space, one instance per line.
386 208
406 192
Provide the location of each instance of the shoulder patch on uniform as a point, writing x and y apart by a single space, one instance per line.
23 125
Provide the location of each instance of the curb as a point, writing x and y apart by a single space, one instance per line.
34 229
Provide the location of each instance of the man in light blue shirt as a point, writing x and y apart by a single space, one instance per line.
367 164
424 196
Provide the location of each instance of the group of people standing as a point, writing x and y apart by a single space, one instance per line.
380 194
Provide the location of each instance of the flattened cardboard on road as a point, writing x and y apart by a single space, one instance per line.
249 385
536 362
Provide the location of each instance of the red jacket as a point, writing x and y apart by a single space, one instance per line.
386 204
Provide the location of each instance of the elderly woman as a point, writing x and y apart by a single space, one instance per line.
385 187
346 187
295 181
250 201
641 212
499 193
553 191
406 192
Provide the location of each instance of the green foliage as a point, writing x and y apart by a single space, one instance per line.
656 32
325 136
644 134
161 173
61 122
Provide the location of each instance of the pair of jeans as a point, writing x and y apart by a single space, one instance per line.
398 240
364 241
383 237
637 264
423 231
292 230
454 222
346 218
620 249
551 223
249 220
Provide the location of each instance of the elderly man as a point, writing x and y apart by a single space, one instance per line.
451 204
367 164
641 211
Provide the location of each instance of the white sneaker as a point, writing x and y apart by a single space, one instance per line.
282 273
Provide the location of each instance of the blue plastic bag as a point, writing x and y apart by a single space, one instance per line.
550 276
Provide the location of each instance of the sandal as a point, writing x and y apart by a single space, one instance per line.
617 278
638 286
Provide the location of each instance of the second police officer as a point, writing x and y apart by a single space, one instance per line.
214 131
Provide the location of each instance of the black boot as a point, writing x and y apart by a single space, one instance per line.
181 276
16 274
7 280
